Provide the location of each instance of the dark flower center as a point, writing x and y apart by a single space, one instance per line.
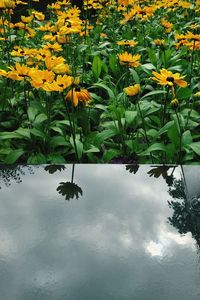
170 78
77 89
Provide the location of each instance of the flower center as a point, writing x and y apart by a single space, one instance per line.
77 89
170 78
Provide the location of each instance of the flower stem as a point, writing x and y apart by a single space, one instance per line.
144 127
180 139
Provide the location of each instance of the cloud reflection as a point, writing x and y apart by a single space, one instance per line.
113 244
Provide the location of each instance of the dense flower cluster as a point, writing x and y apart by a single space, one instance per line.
83 79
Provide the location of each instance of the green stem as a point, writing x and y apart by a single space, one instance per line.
73 167
144 127
72 127
192 62
164 107
180 139
123 75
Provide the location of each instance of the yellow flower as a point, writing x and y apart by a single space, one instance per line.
26 19
197 94
132 90
64 81
18 52
129 60
54 47
166 77
40 77
38 15
61 83
10 4
57 65
127 43
167 25
3 73
76 95
159 42
20 72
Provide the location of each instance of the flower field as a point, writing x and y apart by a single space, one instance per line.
109 81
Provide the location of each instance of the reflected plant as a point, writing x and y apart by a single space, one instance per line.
163 171
54 168
132 168
186 212
13 172
69 190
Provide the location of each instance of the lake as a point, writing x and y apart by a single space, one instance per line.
99 232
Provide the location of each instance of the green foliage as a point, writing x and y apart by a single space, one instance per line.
37 126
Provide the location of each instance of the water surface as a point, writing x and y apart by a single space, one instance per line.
99 232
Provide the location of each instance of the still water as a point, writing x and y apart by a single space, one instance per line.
99 232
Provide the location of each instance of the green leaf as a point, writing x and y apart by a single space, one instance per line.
186 138
57 141
97 66
24 132
113 63
56 159
79 146
32 112
104 135
105 87
153 93
149 66
13 156
9 135
130 116
173 135
195 147
184 93
152 56
37 159
110 154
166 127
92 149
57 129
154 147
135 76
38 133
40 118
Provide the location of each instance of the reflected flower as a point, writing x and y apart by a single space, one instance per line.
70 190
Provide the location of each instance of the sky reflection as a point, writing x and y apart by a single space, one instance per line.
114 242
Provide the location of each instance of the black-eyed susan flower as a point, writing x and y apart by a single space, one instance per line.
159 42
40 77
60 84
167 25
168 78
129 60
26 19
132 90
130 43
19 72
57 65
7 4
53 47
38 15
76 95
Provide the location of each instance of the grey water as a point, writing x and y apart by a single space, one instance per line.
99 232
